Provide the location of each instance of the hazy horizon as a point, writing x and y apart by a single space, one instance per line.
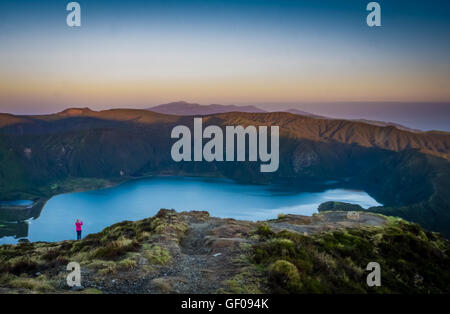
319 57
412 115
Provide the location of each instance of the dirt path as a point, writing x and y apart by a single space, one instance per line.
192 269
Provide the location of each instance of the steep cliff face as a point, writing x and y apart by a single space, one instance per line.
406 171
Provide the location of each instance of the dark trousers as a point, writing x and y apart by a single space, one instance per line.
78 235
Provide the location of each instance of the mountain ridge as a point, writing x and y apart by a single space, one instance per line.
293 125
408 172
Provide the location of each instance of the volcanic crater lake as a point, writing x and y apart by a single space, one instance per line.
143 198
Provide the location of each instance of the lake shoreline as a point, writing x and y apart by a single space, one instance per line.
136 197
115 183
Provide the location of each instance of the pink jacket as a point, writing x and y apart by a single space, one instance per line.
78 225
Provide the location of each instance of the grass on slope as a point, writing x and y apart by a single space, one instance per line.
411 260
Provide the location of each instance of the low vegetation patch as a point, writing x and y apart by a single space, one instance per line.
156 254
411 260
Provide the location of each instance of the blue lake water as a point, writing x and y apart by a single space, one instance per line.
143 198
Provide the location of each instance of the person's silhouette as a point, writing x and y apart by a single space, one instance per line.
78 225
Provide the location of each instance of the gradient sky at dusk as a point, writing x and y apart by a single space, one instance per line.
142 53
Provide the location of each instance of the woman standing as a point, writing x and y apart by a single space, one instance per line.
78 225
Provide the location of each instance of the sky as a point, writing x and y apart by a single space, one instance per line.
277 53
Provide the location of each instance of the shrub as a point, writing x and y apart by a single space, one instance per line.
107 270
51 255
39 284
105 267
265 231
116 248
157 255
127 264
284 277
21 265
281 216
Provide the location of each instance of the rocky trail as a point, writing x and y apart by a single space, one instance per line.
205 257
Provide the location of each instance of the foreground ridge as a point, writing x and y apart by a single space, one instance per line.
191 252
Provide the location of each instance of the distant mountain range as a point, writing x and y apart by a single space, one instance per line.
183 108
